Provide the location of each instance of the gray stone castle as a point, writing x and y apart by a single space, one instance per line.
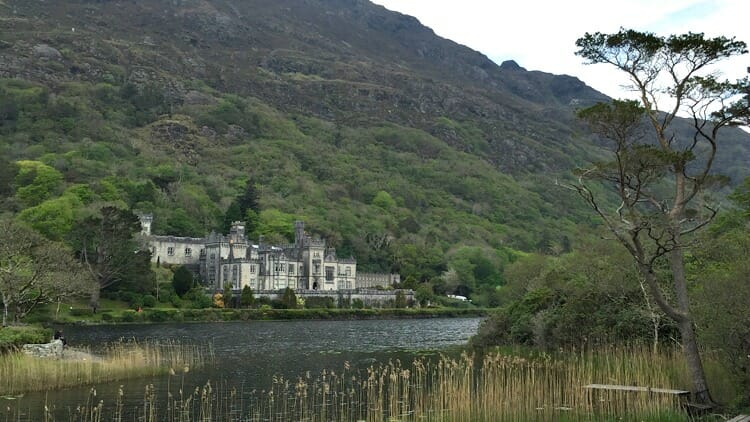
220 260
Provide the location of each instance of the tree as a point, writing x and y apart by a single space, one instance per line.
35 271
107 247
661 181
182 280
245 206
289 299
247 299
36 182
400 301
228 296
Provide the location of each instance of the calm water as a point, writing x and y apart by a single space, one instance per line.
249 354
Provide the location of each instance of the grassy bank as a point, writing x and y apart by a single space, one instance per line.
495 386
21 373
123 315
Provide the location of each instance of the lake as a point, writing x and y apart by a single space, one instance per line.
248 354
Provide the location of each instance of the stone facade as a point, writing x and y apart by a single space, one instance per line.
373 280
306 264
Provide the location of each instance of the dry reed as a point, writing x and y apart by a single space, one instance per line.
492 387
121 360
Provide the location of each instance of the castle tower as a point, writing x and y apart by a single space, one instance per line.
299 233
237 232
146 220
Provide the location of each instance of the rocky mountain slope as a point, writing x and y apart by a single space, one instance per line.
326 105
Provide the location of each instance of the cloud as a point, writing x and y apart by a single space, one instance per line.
540 35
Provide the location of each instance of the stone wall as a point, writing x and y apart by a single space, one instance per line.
51 350
372 280
370 297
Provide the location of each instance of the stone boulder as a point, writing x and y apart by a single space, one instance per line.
47 52
51 350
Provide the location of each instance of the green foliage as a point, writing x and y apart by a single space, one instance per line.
400 301
149 301
247 299
323 302
424 295
228 296
289 299
15 337
198 298
720 290
741 197
36 182
275 224
53 218
81 312
383 200
107 243
588 296
182 280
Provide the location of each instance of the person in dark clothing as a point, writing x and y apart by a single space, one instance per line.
59 336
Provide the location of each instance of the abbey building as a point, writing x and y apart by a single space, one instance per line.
306 264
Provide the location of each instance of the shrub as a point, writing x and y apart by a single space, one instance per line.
176 301
78 312
15 337
149 301
318 302
130 316
160 315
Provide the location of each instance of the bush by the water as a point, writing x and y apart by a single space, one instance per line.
14 337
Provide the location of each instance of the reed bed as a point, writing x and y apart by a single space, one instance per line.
21 373
491 387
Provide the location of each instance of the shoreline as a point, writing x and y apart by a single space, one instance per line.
233 315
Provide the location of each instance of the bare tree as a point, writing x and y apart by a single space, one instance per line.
660 175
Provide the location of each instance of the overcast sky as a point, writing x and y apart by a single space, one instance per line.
541 34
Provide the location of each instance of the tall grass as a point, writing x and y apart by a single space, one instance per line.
121 360
492 387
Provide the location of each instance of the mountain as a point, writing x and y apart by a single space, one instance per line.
397 145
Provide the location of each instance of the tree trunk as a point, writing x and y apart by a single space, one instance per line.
94 301
687 332
5 312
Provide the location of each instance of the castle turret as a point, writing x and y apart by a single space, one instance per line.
299 233
146 220
237 232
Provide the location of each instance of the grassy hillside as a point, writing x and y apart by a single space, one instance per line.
406 150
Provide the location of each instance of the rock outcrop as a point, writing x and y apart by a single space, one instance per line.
51 350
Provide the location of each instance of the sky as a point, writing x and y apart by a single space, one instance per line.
541 34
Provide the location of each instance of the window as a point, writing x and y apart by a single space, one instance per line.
291 269
317 269
213 256
170 251
329 274
348 271
188 252
252 269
